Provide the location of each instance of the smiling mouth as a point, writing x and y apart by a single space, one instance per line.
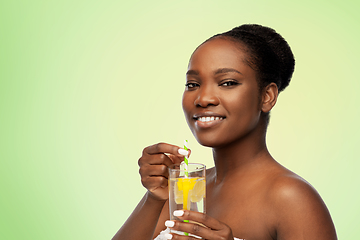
209 119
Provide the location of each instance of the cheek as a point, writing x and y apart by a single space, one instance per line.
242 99
243 105
186 103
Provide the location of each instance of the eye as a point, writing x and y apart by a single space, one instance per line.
229 83
191 85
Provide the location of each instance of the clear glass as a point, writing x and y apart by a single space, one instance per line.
187 189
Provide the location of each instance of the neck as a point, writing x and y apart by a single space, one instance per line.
239 156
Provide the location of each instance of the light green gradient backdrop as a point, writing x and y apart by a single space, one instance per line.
85 85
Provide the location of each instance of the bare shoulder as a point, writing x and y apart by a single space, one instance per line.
288 187
297 210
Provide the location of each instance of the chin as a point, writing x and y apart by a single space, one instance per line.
210 141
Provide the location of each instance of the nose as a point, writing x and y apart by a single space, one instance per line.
206 97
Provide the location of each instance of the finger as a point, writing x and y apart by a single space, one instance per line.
156 159
160 159
176 159
166 148
181 236
174 236
189 150
191 228
199 218
154 170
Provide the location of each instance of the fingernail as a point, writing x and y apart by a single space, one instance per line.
178 213
168 236
183 152
169 223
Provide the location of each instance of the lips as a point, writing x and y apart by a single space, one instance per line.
207 119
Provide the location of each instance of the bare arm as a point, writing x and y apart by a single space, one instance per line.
143 222
147 211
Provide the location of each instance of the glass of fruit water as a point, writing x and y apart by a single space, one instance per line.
187 188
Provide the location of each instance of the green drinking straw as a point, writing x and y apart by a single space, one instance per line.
186 159
186 172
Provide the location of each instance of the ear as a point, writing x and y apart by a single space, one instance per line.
269 97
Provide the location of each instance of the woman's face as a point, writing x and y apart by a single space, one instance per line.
221 99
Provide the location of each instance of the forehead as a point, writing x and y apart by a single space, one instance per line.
218 53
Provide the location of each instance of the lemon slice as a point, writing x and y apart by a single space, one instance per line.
198 191
178 195
192 188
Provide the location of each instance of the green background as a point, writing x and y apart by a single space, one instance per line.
86 85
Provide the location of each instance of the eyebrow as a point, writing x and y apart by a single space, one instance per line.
192 72
219 71
226 70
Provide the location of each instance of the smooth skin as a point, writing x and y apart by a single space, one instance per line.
249 195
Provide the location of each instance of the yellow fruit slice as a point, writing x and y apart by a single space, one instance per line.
198 192
178 195
192 188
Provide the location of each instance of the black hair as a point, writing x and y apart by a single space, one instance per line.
269 54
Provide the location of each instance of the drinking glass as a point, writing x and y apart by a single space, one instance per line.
187 188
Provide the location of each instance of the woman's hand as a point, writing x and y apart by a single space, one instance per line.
154 164
214 229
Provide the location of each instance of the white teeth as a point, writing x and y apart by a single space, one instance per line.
208 119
